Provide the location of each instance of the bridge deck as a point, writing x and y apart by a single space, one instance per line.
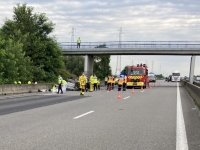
133 48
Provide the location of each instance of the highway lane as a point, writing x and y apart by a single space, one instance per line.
143 120
15 103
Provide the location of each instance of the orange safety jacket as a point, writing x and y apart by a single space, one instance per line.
120 82
113 80
110 80
125 79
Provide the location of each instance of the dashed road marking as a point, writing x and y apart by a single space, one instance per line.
126 97
83 114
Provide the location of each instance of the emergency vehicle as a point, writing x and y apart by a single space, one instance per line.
137 76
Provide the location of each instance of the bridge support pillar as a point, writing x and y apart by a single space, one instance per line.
88 66
192 64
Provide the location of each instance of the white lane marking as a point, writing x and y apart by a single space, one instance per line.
126 97
83 114
181 137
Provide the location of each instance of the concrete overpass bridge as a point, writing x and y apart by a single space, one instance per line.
89 49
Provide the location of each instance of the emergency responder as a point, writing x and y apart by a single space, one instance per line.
95 82
120 83
29 82
124 83
106 80
109 83
19 82
83 81
53 88
148 80
60 84
113 82
91 83
98 84
87 87
15 82
78 42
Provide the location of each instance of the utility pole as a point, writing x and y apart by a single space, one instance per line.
118 66
72 33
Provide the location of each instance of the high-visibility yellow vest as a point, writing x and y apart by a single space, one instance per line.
95 79
78 41
106 78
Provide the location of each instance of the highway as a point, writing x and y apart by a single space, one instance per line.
163 117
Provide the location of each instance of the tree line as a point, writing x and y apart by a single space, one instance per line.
28 52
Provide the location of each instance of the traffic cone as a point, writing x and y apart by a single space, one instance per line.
142 89
119 96
133 91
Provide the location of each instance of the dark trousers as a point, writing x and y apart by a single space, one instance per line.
95 86
78 45
124 86
60 88
87 87
119 87
105 83
109 86
113 85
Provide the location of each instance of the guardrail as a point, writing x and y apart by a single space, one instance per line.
196 83
194 91
132 44
22 88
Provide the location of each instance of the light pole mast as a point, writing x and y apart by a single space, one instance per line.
118 66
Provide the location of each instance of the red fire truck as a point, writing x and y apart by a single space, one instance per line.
137 76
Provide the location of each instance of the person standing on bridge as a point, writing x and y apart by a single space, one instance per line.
78 42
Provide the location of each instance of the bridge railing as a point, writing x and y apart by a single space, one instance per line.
133 44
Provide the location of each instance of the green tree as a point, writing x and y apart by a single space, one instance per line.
13 63
102 64
125 70
33 31
159 76
75 64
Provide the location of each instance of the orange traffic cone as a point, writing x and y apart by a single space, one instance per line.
119 96
133 91
142 89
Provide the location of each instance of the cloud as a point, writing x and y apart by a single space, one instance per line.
144 20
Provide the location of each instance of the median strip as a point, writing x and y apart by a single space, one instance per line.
83 114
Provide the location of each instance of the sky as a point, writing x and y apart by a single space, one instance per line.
140 20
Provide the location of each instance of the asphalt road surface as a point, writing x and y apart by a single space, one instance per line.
163 117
